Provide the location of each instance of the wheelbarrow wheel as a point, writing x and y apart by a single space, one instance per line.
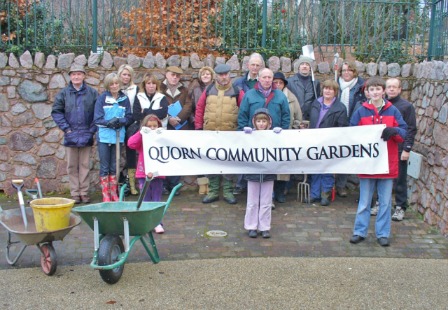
108 253
48 259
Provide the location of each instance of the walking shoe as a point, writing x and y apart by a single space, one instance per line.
383 241
311 200
342 192
159 229
77 199
272 206
398 214
237 190
165 191
253 233
356 239
374 209
85 198
280 198
265 234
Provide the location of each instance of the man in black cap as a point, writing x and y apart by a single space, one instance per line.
72 111
217 109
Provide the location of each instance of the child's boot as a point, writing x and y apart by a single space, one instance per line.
105 190
113 183
131 175
325 198
203 185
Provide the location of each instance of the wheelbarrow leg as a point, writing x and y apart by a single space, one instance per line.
152 252
8 253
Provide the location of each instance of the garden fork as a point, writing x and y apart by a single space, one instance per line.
303 190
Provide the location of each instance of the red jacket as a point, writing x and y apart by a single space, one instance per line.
389 115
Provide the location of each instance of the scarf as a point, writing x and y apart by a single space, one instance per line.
345 91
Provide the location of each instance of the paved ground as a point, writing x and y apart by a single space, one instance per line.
307 264
298 230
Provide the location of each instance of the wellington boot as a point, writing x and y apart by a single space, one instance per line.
213 193
113 183
227 187
203 185
325 201
105 190
131 175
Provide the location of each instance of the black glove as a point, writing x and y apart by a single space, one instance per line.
113 123
388 133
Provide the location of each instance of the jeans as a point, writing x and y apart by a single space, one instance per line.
383 218
108 158
400 185
321 183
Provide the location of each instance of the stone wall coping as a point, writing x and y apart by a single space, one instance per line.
434 70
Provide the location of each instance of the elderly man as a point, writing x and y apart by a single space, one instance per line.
245 83
248 80
175 91
73 111
303 87
217 109
264 95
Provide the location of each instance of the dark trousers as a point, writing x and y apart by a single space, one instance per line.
170 182
400 185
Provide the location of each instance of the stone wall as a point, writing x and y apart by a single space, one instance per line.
30 142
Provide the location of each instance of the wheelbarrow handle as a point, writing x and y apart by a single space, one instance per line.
143 192
17 184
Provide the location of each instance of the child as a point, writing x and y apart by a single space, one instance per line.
135 142
378 111
259 186
326 111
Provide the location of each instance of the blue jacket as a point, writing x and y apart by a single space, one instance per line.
106 108
73 113
241 83
253 100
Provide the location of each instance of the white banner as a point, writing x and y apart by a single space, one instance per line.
351 150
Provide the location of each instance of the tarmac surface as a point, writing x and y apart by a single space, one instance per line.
307 264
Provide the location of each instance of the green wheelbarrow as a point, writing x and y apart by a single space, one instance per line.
111 220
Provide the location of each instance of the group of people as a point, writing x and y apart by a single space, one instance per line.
259 100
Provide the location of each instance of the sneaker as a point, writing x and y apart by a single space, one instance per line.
374 209
159 229
398 214
165 191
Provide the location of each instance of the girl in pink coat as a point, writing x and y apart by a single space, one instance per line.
135 142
